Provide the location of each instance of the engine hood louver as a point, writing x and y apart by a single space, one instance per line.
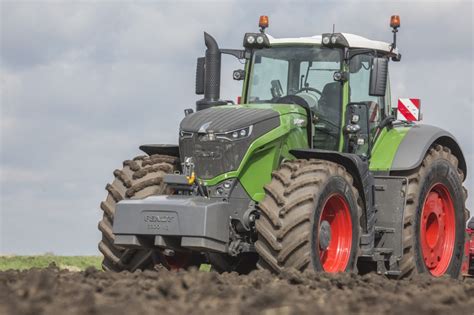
225 119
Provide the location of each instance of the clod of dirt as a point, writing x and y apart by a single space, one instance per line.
54 291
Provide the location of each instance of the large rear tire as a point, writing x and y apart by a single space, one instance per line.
309 218
139 178
435 216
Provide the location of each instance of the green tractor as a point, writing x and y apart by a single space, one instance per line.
312 170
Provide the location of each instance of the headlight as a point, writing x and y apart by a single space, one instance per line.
260 40
235 134
251 39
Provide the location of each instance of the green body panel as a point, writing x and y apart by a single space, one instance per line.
266 153
385 148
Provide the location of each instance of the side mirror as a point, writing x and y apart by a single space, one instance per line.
378 77
200 71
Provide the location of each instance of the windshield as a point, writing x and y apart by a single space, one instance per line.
282 71
300 75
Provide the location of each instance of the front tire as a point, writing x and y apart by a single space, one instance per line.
139 178
434 217
309 218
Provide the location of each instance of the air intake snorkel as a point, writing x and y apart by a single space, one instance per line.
209 77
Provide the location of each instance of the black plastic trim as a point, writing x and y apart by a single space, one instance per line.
418 141
164 149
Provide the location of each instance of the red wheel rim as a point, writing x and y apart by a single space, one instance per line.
437 230
335 257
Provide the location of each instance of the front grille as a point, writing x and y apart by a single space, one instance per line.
212 158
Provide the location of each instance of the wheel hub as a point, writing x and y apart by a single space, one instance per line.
437 230
324 235
335 234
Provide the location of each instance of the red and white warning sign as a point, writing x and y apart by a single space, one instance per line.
408 109
374 110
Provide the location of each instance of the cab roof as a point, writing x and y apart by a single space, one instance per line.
355 41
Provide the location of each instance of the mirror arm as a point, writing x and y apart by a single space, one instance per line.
386 122
237 53
362 51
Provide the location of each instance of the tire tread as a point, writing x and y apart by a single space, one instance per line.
284 227
140 177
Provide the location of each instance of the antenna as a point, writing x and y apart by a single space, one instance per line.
333 28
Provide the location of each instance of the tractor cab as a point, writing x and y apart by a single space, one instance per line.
329 80
339 78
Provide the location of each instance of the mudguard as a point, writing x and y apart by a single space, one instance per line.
164 149
416 144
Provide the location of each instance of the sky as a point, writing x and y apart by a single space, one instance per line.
83 84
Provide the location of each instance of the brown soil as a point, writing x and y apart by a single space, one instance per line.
53 291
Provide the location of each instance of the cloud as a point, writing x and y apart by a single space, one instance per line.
83 84
47 32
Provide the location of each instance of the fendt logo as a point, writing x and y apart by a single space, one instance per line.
204 127
158 218
208 154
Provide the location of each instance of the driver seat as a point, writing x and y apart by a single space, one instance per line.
329 103
329 107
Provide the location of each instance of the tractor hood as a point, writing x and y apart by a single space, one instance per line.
224 119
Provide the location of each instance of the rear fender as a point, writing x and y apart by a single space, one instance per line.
418 140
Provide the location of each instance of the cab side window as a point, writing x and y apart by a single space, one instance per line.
359 81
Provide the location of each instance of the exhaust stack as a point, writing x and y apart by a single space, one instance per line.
212 75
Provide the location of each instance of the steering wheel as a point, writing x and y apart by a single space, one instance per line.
309 89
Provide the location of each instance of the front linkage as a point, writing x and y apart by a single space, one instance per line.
195 217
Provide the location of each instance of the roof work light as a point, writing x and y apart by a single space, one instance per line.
256 40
